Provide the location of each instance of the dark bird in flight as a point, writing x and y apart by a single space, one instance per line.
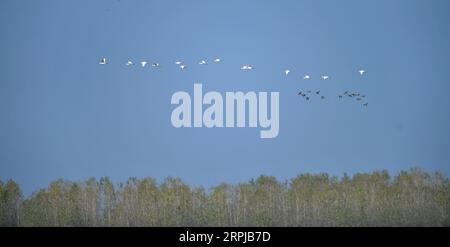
318 92
365 104
103 61
322 97
340 96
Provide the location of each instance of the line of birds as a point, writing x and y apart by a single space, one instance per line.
180 64
183 66
305 95
356 95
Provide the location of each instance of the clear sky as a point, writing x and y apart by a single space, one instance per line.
62 115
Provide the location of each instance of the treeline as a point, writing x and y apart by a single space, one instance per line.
411 198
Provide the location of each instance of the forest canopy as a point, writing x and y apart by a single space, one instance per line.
410 198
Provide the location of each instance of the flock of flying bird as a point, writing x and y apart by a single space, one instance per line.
306 95
180 64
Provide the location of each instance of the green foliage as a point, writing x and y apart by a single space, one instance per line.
411 198
10 199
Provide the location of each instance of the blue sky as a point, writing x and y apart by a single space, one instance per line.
64 116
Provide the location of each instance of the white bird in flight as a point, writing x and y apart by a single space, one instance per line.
129 63
247 67
306 77
287 72
325 77
102 61
361 72
143 63
178 62
202 62
217 60
182 66
155 65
